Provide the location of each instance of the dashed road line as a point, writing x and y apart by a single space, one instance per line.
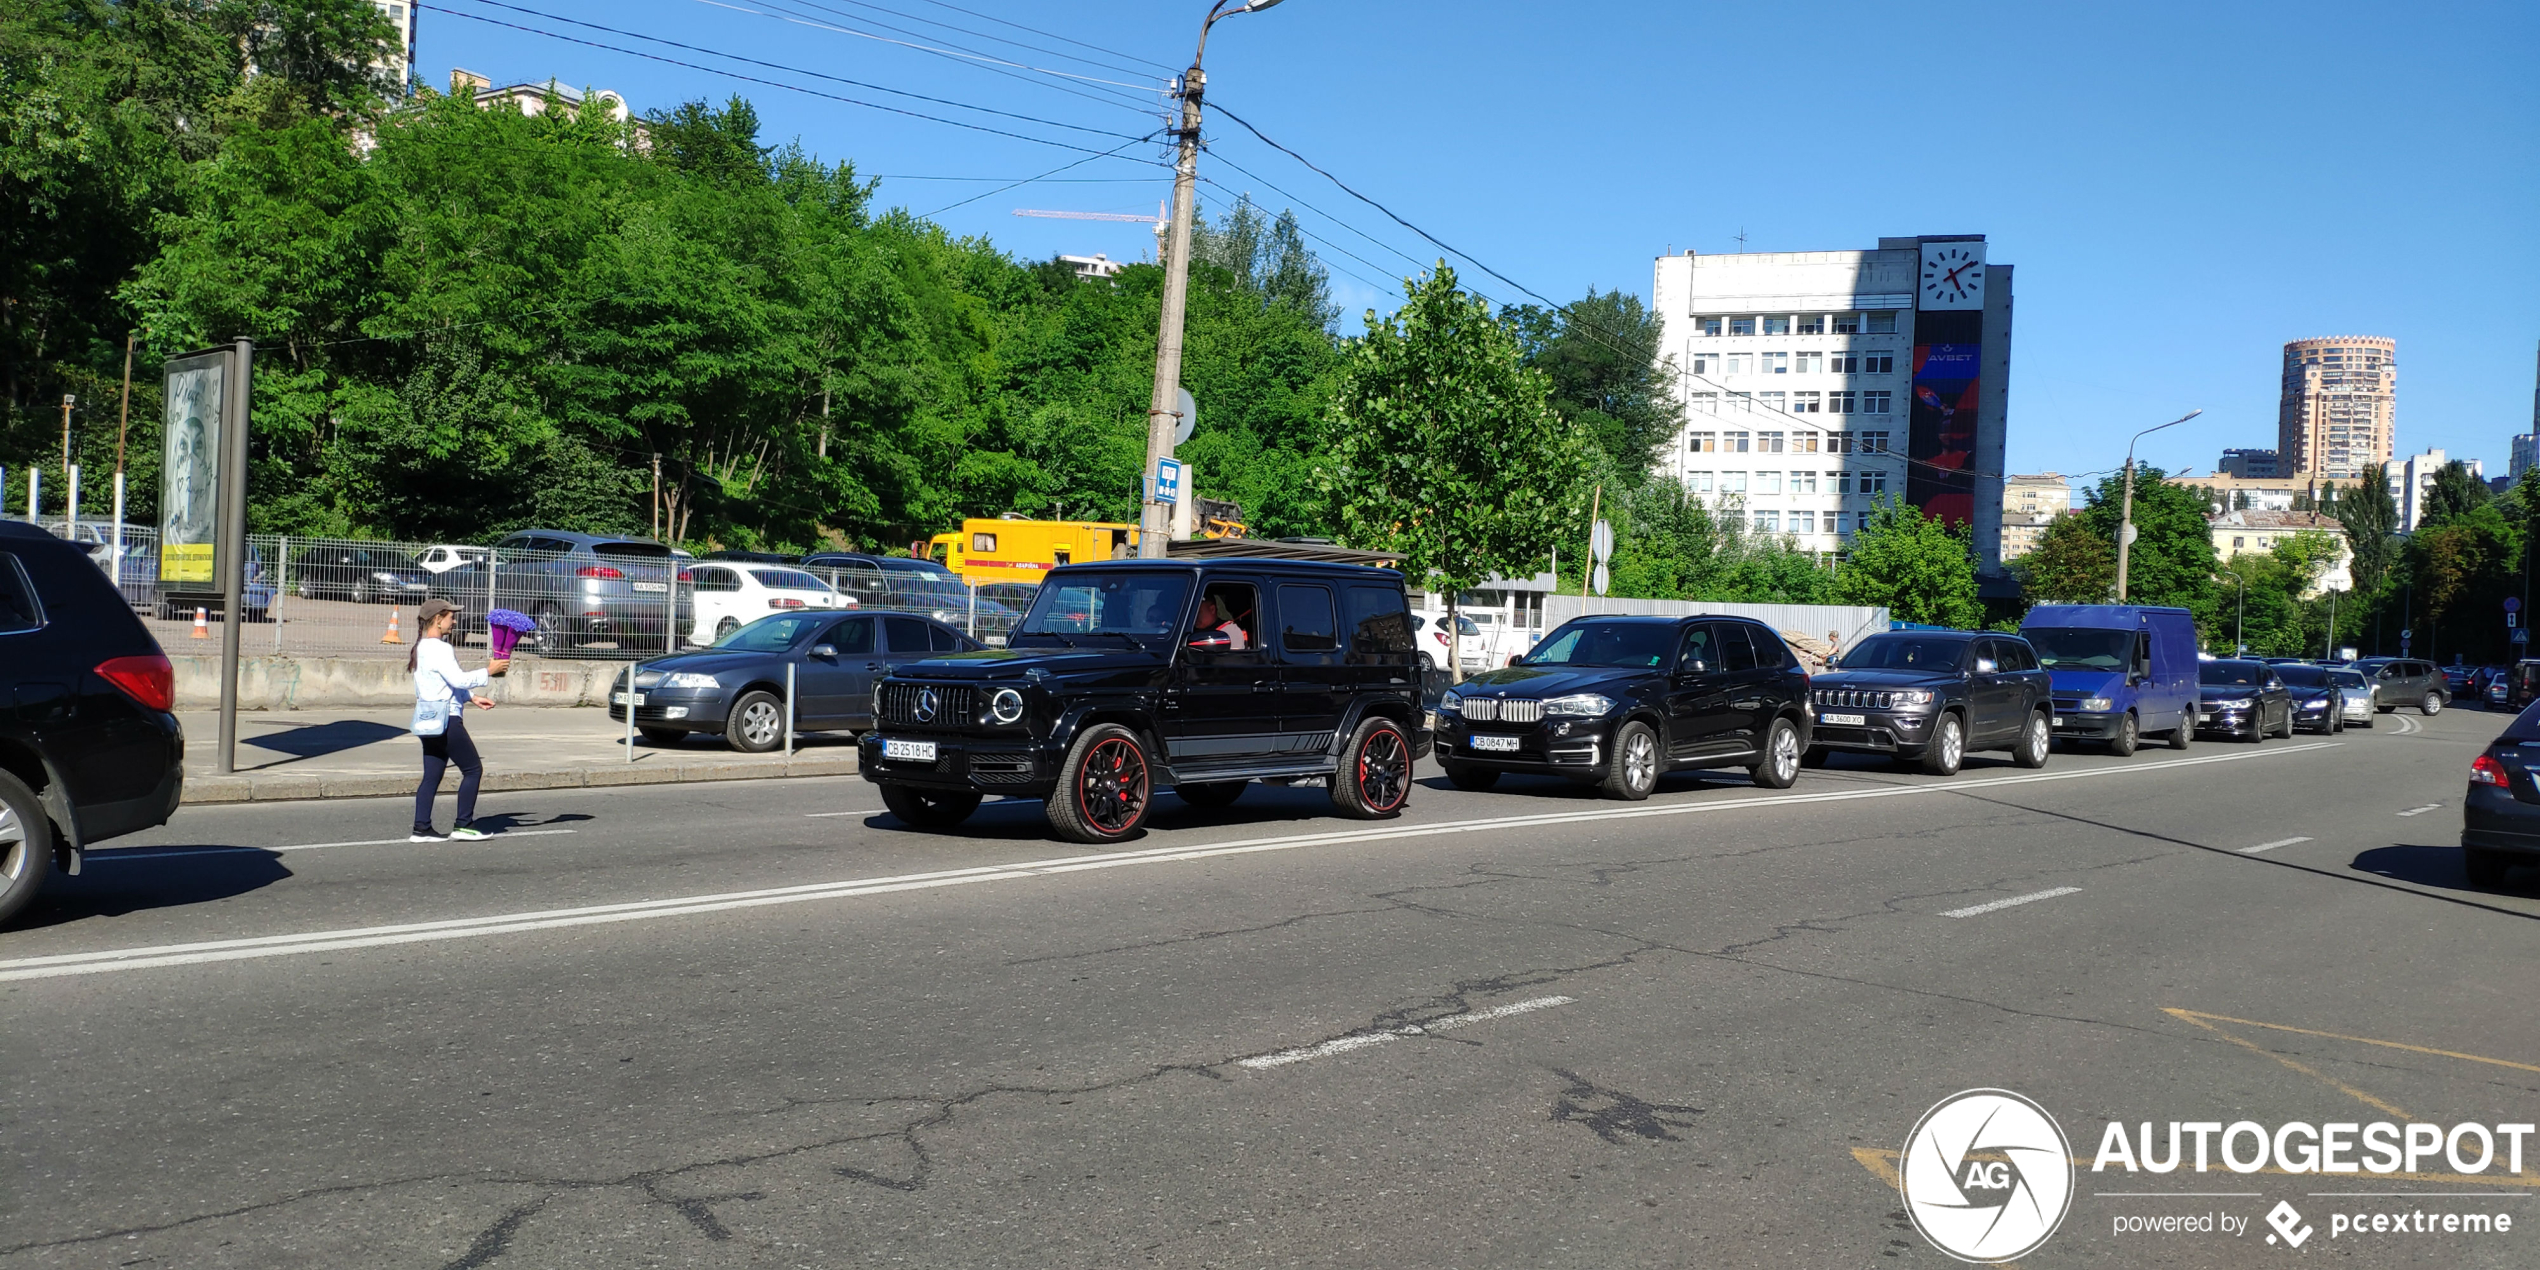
2419 811
1362 1040
2014 901
164 955
111 854
2270 846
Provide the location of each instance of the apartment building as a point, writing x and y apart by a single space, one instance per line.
2256 464
2240 533
2526 447
2413 479
2029 505
2337 414
1817 381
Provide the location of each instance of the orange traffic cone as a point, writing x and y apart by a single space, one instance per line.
391 637
202 626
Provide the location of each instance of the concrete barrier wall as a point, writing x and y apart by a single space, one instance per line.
324 683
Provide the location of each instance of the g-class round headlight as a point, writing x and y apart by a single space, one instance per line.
1006 706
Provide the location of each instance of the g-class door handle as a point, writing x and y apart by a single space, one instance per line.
1265 685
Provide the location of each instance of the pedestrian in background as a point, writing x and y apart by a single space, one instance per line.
441 701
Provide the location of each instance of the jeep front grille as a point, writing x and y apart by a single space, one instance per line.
900 705
1503 710
1854 699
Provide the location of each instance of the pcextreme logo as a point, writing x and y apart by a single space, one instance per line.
1987 1176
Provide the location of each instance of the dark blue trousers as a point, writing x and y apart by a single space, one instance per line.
452 746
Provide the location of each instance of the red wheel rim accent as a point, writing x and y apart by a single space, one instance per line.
1384 770
1111 786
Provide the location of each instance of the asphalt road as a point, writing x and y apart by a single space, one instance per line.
761 1024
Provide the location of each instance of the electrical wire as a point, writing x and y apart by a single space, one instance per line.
958 54
1090 92
794 70
753 79
1043 176
1047 34
982 35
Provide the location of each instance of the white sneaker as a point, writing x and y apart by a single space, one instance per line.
425 837
469 833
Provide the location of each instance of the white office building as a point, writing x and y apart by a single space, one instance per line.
2412 479
1816 381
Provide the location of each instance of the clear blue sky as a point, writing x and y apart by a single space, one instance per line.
2183 187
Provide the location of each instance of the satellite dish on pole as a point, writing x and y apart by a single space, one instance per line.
2132 533
1183 427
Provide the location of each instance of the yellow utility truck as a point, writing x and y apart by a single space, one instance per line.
991 551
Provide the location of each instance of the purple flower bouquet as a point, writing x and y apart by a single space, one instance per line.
503 629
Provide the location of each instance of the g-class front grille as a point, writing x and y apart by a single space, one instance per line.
1503 709
909 705
1854 699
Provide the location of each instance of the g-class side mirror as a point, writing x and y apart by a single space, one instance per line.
1210 642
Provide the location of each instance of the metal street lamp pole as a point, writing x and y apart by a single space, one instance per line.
2125 518
2239 615
1155 519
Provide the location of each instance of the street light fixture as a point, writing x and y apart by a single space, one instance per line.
2125 519
1163 406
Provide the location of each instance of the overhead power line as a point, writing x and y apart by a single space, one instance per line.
983 35
1074 86
1043 176
793 70
753 79
962 54
1047 34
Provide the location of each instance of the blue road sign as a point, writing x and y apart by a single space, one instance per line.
1168 480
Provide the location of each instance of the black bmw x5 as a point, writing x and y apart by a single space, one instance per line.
1617 702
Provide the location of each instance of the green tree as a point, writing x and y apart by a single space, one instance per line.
1608 378
2462 571
2172 560
1445 447
2455 492
2371 518
1267 257
1920 567
2071 565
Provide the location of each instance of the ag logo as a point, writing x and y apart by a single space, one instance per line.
927 704
1987 1176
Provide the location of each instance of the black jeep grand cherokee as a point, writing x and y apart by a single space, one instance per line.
1928 697
1135 674
1620 701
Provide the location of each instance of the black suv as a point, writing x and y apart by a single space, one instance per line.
1134 674
1929 697
1619 701
89 751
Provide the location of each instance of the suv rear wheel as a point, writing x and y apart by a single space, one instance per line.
2432 705
1105 786
927 808
1374 780
26 845
1633 773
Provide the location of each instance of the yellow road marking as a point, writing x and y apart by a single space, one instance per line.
2193 1015
2296 1064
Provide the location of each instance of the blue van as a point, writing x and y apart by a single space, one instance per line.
2122 671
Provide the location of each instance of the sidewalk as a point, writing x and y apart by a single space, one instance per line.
365 753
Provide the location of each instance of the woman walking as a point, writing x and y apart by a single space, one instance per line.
441 700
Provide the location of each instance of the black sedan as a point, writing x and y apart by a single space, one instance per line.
2316 703
364 575
2243 699
2500 817
737 687
1618 702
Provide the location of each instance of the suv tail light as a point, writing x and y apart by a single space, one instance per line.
683 576
599 571
148 679
2485 770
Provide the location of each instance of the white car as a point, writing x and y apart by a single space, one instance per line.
731 596
2354 696
440 558
1429 636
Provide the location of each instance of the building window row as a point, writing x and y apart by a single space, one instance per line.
1786 482
1771 442
1873 322
1806 401
1846 361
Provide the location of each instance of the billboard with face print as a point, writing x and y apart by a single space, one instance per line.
189 484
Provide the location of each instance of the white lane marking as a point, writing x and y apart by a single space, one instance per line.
2407 726
2419 811
1362 1040
1979 909
2270 846
160 955
110 855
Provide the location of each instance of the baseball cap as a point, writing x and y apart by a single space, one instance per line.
433 608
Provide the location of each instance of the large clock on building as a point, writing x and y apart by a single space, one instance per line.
1953 276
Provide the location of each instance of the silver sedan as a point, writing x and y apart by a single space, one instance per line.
2354 695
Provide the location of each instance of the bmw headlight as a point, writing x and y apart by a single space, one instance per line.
2098 705
684 679
1451 703
1579 705
1005 706
2236 703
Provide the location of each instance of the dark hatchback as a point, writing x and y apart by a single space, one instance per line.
737 687
1618 702
2245 700
89 751
1930 697
2500 817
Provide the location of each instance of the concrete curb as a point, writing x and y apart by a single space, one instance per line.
290 788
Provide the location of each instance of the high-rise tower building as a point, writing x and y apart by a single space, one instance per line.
2339 410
